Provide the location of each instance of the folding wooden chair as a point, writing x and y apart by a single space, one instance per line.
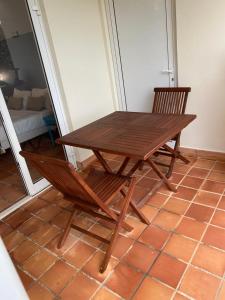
171 101
91 195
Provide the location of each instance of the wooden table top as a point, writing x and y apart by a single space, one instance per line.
136 135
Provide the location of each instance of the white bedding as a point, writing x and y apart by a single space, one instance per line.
28 124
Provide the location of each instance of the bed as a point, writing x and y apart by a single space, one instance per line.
28 125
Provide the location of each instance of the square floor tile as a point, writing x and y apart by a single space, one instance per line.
185 193
157 200
37 292
57 282
98 229
81 287
69 242
122 245
181 168
35 205
24 251
204 163
180 247
105 294
37 264
138 228
207 198
168 270
213 186
154 236
140 257
217 176
79 254
154 290
192 182
176 206
124 280
191 228
176 178
30 226
61 219
139 193
215 236
178 296
221 295
198 172
4 229
210 259
219 166
147 183
44 234
91 268
26 279
222 203
48 212
149 212
17 218
199 285
13 240
166 220
219 218
199 212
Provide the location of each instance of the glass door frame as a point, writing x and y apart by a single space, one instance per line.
40 35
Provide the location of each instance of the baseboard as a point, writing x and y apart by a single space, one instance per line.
194 153
205 154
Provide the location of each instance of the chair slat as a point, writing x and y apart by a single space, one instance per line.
170 100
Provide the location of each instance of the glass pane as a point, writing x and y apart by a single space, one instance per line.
24 84
12 188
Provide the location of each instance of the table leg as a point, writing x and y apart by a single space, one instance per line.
123 166
161 175
103 161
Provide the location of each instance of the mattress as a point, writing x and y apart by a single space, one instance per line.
28 124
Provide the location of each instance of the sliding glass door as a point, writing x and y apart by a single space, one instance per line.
29 99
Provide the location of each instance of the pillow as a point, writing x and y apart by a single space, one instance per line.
24 94
36 103
39 92
15 103
48 104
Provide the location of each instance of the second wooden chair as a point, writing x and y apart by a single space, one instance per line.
91 194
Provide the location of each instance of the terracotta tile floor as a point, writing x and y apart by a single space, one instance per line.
181 255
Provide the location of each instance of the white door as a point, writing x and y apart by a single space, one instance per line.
143 32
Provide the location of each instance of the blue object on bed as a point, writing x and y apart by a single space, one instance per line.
50 122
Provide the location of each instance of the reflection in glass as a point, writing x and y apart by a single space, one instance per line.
24 85
12 188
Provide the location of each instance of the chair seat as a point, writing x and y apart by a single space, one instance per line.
103 184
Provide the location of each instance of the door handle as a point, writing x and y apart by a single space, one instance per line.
168 71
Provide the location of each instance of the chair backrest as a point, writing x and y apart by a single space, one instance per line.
62 175
170 100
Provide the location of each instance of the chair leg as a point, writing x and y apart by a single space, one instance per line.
136 210
139 213
141 166
117 228
184 159
67 230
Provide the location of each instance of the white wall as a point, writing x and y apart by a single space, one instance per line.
201 65
80 46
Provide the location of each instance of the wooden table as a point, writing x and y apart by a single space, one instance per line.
130 134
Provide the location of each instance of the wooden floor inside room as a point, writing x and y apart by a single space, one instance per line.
180 255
